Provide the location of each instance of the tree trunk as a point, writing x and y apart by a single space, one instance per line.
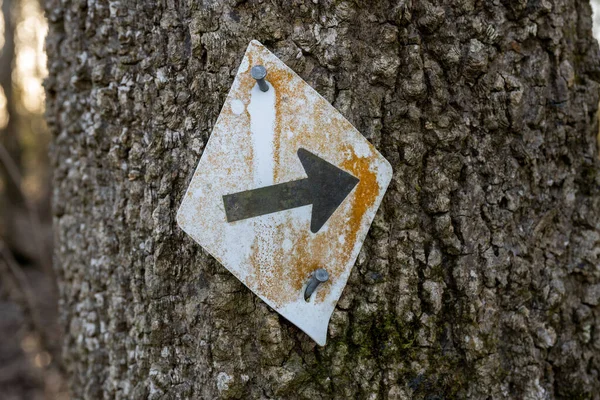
480 276
11 199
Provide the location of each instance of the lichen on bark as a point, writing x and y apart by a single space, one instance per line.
480 275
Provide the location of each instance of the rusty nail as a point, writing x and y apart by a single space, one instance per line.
259 73
318 276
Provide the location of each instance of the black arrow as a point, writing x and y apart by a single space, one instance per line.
325 188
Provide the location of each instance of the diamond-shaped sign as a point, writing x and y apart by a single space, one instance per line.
285 186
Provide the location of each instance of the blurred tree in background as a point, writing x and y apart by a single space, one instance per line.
28 349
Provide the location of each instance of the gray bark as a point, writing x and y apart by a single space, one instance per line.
480 276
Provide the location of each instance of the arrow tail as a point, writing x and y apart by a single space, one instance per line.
267 200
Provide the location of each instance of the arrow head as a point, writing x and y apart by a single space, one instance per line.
328 185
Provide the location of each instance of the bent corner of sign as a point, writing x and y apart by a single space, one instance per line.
320 335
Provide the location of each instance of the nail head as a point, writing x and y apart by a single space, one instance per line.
258 72
321 275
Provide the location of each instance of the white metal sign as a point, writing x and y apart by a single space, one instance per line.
285 192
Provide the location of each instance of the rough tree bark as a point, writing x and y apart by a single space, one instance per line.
481 274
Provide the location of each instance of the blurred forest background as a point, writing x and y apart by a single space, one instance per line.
29 331
30 342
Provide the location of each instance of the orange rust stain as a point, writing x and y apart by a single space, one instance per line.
284 90
230 121
367 190
365 195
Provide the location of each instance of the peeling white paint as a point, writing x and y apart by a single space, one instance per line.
262 128
237 106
